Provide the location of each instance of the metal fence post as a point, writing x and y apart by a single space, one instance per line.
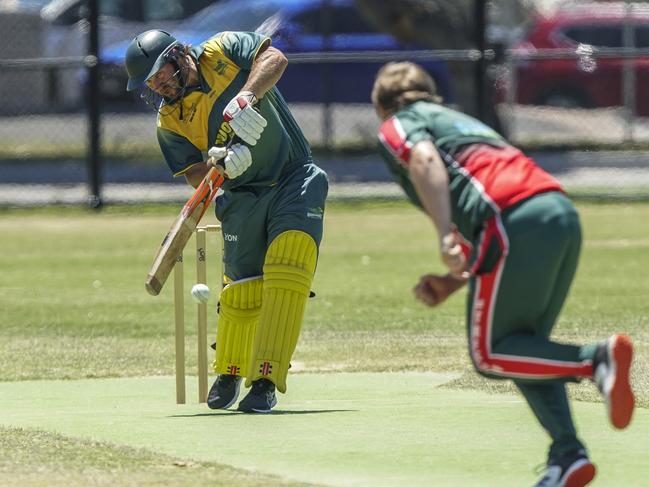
628 74
94 110
481 63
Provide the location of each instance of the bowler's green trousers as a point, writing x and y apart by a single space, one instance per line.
524 262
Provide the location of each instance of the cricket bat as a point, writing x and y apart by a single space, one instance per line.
181 230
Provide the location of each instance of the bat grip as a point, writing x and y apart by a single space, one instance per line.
218 164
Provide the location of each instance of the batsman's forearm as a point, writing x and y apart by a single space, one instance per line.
266 72
195 174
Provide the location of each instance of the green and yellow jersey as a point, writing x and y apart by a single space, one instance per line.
486 174
186 133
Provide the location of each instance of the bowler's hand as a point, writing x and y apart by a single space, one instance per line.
236 159
453 256
246 122
433 289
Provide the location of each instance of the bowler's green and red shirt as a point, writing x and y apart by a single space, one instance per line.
486 174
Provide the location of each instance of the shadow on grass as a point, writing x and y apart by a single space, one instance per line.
277 412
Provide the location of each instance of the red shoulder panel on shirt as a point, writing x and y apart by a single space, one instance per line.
393 137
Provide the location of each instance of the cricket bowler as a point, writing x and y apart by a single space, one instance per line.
508 231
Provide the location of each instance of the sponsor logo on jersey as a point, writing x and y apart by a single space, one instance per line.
224 134
189 113
220 67
315 213
228 237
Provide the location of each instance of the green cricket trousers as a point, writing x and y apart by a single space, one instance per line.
524 262
252 217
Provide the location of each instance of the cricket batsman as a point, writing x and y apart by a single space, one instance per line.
219 99
508 231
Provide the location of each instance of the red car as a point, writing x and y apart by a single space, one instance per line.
584 81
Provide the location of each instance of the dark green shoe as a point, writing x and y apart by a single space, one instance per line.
260 399
224 391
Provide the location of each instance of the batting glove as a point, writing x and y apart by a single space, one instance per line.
246 122
236 159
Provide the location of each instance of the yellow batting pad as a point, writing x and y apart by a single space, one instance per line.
288 273
240 305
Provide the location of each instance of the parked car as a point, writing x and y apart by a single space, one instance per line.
20 25
69 12
586 80
16 18
297 26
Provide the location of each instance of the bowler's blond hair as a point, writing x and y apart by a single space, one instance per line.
399 84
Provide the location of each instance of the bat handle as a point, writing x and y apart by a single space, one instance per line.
213 180
217 164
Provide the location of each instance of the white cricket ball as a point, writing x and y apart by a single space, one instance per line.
200 293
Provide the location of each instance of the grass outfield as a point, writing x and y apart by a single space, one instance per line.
73 306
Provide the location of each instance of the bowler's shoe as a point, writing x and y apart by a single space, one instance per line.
571 470
611 373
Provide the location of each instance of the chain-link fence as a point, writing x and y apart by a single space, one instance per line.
560 77
583 68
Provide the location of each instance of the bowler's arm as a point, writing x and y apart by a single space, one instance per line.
430 179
